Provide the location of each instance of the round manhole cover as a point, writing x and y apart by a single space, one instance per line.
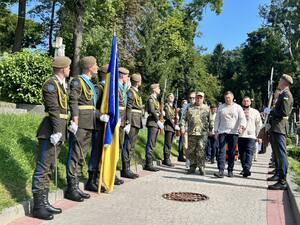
185 196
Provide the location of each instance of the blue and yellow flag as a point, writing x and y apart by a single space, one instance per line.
110 106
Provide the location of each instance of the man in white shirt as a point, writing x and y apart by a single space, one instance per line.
248 138
229 123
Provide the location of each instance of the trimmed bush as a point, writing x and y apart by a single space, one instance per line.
22 76
294 153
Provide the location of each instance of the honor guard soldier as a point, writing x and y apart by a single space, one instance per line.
51 134
83 99
97 136
169 128
279 116
154 125
133 124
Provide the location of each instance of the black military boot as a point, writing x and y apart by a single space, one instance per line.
72 193
275 177
125 172
280 185
191 170
246 173
39 209
118 181
90 184
167 162
219 174
83 194
149 166
202 170
50 207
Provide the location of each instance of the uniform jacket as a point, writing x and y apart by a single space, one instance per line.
55 100
134 108
122 104
81 96
152 106
169 124
280 114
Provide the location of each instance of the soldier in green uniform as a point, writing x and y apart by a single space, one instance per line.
133 125
97 136
169 128
279 127
198 120
51 134
83 100
154 125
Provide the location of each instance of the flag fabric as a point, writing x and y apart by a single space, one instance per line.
110 106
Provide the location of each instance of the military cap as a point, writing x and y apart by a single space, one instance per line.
61 62
123 70
200 93
136 77
88 62
287 78
153 86
104 68
169 94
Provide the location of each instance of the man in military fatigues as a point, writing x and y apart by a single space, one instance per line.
154 125
133 125
97 136
198 120
169 128
83 99
279 116
51 134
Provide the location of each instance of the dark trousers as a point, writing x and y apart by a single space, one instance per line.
151 144
128 148
96 153
278 144
180 147
78 147
45 164
231 140
212 148
246 150
169 136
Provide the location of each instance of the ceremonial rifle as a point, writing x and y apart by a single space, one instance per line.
161 106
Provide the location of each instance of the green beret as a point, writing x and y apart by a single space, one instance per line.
154 86
136 77
61 62
200 93
87 62
104 68
287 78
123 70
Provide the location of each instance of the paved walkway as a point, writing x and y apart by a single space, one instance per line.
231 201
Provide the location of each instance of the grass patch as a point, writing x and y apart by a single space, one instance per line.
17 148
295 168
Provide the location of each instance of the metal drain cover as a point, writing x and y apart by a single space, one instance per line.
185 196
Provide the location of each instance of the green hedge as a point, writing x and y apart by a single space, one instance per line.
22 75
294 153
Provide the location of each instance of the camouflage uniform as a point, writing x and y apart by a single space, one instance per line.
198 120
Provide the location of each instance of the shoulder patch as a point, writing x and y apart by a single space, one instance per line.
75 83
129 94
50 87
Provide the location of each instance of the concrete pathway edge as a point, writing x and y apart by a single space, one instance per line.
294 197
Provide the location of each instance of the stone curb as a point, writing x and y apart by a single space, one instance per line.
294 197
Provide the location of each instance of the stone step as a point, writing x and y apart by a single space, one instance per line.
5 110
7 105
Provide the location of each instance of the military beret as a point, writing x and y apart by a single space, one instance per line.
61 62
104 68
123 70
136 77
169 94
153 86
88 62
287 78
200 93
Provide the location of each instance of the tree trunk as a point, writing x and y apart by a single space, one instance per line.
19 34
77 36
51 28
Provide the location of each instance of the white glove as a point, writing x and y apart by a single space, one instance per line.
177 127
127 128
164 113
54 138
73 127
267 110
268 127
160 124
104 118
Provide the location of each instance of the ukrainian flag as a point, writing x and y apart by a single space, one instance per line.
110 106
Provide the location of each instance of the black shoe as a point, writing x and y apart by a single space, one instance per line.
272 166
280 185
202 171
168 163
39 209
242 172
191 171
128 174
83 194
118 181
275 177
181 159
212 161
219 174
72 193
151 168
230 174
90 184
272 172
261 152
246 173
50 207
